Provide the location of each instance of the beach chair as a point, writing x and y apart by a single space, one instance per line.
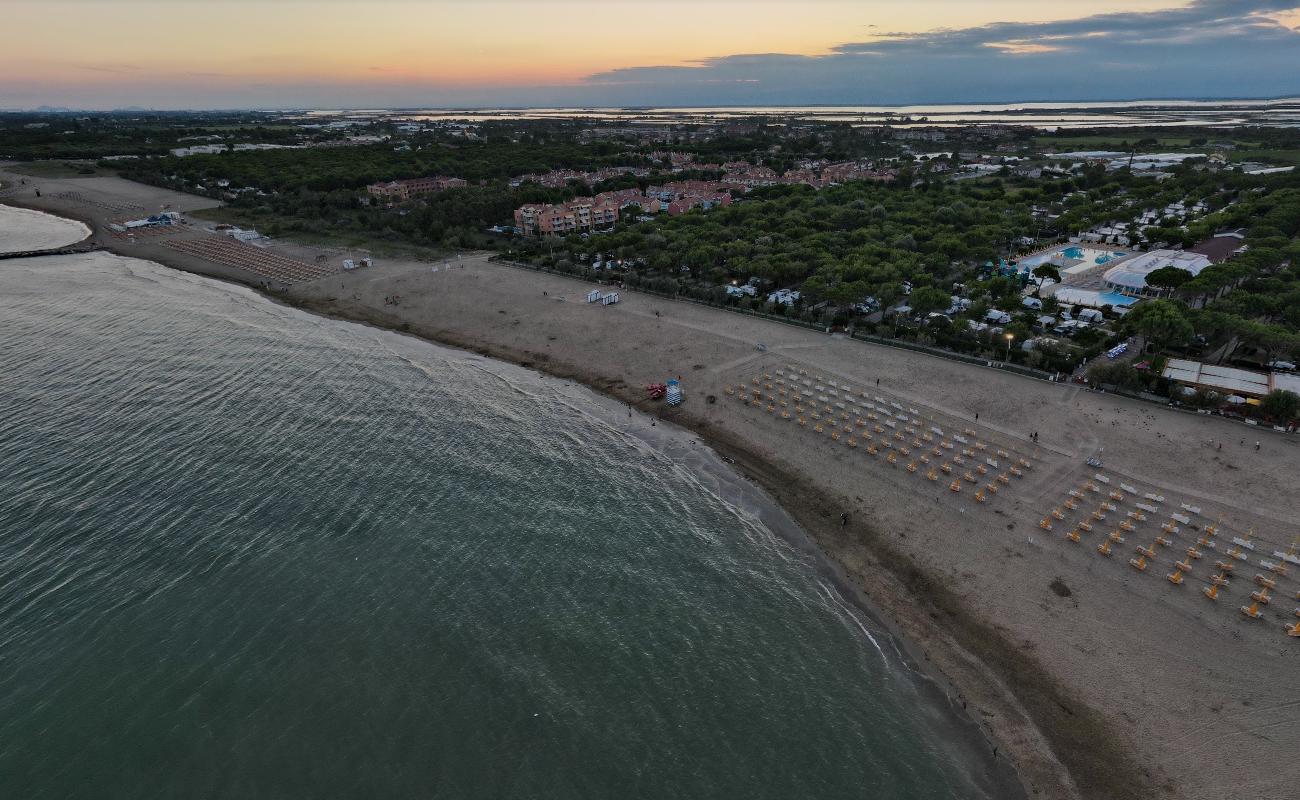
1139 563
1175 577
1016 472
1104 548
924 459
1261 596
1045 524
911 466
1074 536
1148 551
946 469
1225 566
955 486
979 496
1182 566
892 458
1116 537
1004 480
1267 583
1252 611
1085 526
1212 591
1220 580
852 442
1293 630
932 474
1127 526
991 487
1071 503
835 436
818 428
802 421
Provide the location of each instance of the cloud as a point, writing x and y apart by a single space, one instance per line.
114 68
1207 48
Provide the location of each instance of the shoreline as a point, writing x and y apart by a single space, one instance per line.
1110 686
955 667
964 682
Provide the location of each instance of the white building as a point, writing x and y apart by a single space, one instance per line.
1130 277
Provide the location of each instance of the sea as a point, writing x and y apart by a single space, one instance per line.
248 552
1279 112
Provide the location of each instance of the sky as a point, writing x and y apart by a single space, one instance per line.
98 54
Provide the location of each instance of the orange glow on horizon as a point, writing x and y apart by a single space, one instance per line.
452 44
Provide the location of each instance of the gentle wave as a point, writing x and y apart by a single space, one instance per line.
247 552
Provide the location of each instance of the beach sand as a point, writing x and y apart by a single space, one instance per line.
1095 679
23 230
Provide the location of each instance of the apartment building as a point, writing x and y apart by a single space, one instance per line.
413 187
582 214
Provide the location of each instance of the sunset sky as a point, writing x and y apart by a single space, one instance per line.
345 53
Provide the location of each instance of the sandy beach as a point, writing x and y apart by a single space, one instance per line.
23 229
1094 678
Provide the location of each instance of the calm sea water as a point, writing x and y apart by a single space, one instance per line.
250 553
1284 112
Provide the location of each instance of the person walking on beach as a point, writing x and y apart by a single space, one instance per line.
844 519
1256 447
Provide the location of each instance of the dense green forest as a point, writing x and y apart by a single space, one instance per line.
324 169
30 137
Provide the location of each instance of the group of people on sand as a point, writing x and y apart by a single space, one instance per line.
391 300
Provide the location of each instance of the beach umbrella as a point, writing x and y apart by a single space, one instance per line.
1235 399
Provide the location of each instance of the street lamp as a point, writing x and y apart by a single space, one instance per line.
1010 336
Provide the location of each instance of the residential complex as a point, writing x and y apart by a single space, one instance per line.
584 214
579 215
413 187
